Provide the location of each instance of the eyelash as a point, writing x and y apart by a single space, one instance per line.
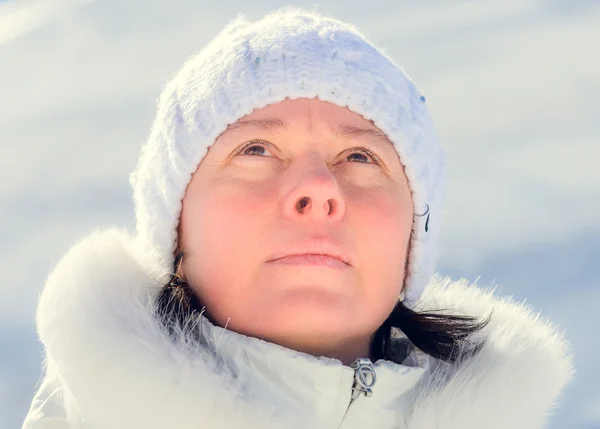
369 152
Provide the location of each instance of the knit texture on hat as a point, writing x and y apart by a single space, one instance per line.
292 54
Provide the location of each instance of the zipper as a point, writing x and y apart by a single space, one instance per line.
364 378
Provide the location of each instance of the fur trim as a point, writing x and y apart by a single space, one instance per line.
117 368
513 382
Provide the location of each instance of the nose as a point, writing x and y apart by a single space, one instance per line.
315 195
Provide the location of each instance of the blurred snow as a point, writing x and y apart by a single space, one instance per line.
18 18
513 88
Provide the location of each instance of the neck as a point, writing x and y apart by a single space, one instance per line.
346 351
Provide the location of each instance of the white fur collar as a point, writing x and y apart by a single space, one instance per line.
117 369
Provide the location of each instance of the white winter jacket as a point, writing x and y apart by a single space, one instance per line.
110 366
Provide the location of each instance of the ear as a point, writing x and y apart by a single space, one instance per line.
407 258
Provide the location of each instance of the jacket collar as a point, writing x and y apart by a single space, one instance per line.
117 368
318 388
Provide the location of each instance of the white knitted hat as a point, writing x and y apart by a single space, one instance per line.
289 53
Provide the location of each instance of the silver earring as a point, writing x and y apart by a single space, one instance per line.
421 223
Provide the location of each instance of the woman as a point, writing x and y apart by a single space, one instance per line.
288 203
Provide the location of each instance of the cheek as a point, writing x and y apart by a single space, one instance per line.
221 229
381 225
219 211
383 221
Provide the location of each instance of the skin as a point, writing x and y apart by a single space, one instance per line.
239 209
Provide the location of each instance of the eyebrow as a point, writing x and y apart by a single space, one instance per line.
349 131
273 125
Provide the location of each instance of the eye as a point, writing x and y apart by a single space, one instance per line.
364 150
255 145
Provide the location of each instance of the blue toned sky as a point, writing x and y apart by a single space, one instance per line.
513 87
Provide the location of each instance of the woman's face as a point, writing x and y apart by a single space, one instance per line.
287 174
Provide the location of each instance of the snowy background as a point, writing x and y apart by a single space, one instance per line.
513 86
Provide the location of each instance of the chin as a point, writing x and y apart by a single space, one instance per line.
308 320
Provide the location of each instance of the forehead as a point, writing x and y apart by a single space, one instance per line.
313 111
311 115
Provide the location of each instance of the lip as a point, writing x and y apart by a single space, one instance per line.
323 247
313 260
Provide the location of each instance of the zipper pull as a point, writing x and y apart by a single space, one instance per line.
364 376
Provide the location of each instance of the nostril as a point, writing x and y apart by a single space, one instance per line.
331 206
302 203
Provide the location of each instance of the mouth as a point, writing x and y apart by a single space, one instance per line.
312 259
